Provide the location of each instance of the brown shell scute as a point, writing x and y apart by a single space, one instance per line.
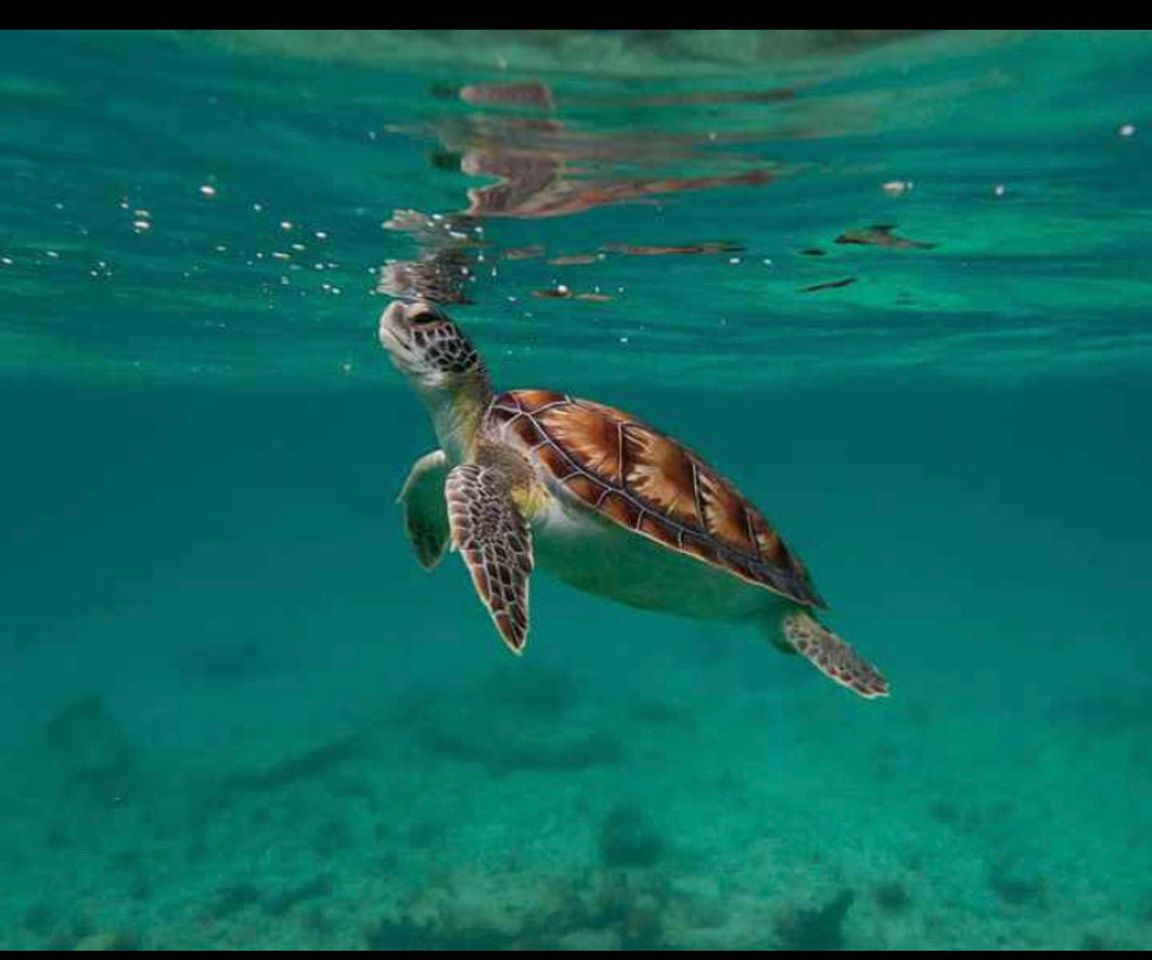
646 481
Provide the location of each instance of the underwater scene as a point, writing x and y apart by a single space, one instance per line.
839 638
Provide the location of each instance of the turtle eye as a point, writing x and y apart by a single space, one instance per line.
423 319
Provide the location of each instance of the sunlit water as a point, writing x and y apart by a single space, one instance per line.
895 287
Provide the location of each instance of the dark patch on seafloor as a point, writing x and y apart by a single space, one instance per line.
815 928
507 723
1111 712
89 749
627 839
892 897
230 662
1015 889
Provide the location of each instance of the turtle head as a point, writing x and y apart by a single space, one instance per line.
429 349
443 366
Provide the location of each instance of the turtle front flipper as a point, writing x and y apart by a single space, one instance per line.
832 656
425 514
494 539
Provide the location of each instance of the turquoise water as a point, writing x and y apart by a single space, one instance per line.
234 712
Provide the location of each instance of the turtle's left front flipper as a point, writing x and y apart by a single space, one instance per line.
493 537
425 517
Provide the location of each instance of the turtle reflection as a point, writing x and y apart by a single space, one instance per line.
543 166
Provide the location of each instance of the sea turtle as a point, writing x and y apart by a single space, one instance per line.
597 497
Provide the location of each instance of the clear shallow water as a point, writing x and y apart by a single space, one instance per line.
236 712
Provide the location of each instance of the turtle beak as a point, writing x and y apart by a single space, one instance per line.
394 328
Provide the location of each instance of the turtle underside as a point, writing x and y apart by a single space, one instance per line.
650 484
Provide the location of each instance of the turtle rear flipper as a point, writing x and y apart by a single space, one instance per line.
832 656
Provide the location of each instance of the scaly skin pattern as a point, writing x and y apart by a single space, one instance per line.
488 501
832 656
